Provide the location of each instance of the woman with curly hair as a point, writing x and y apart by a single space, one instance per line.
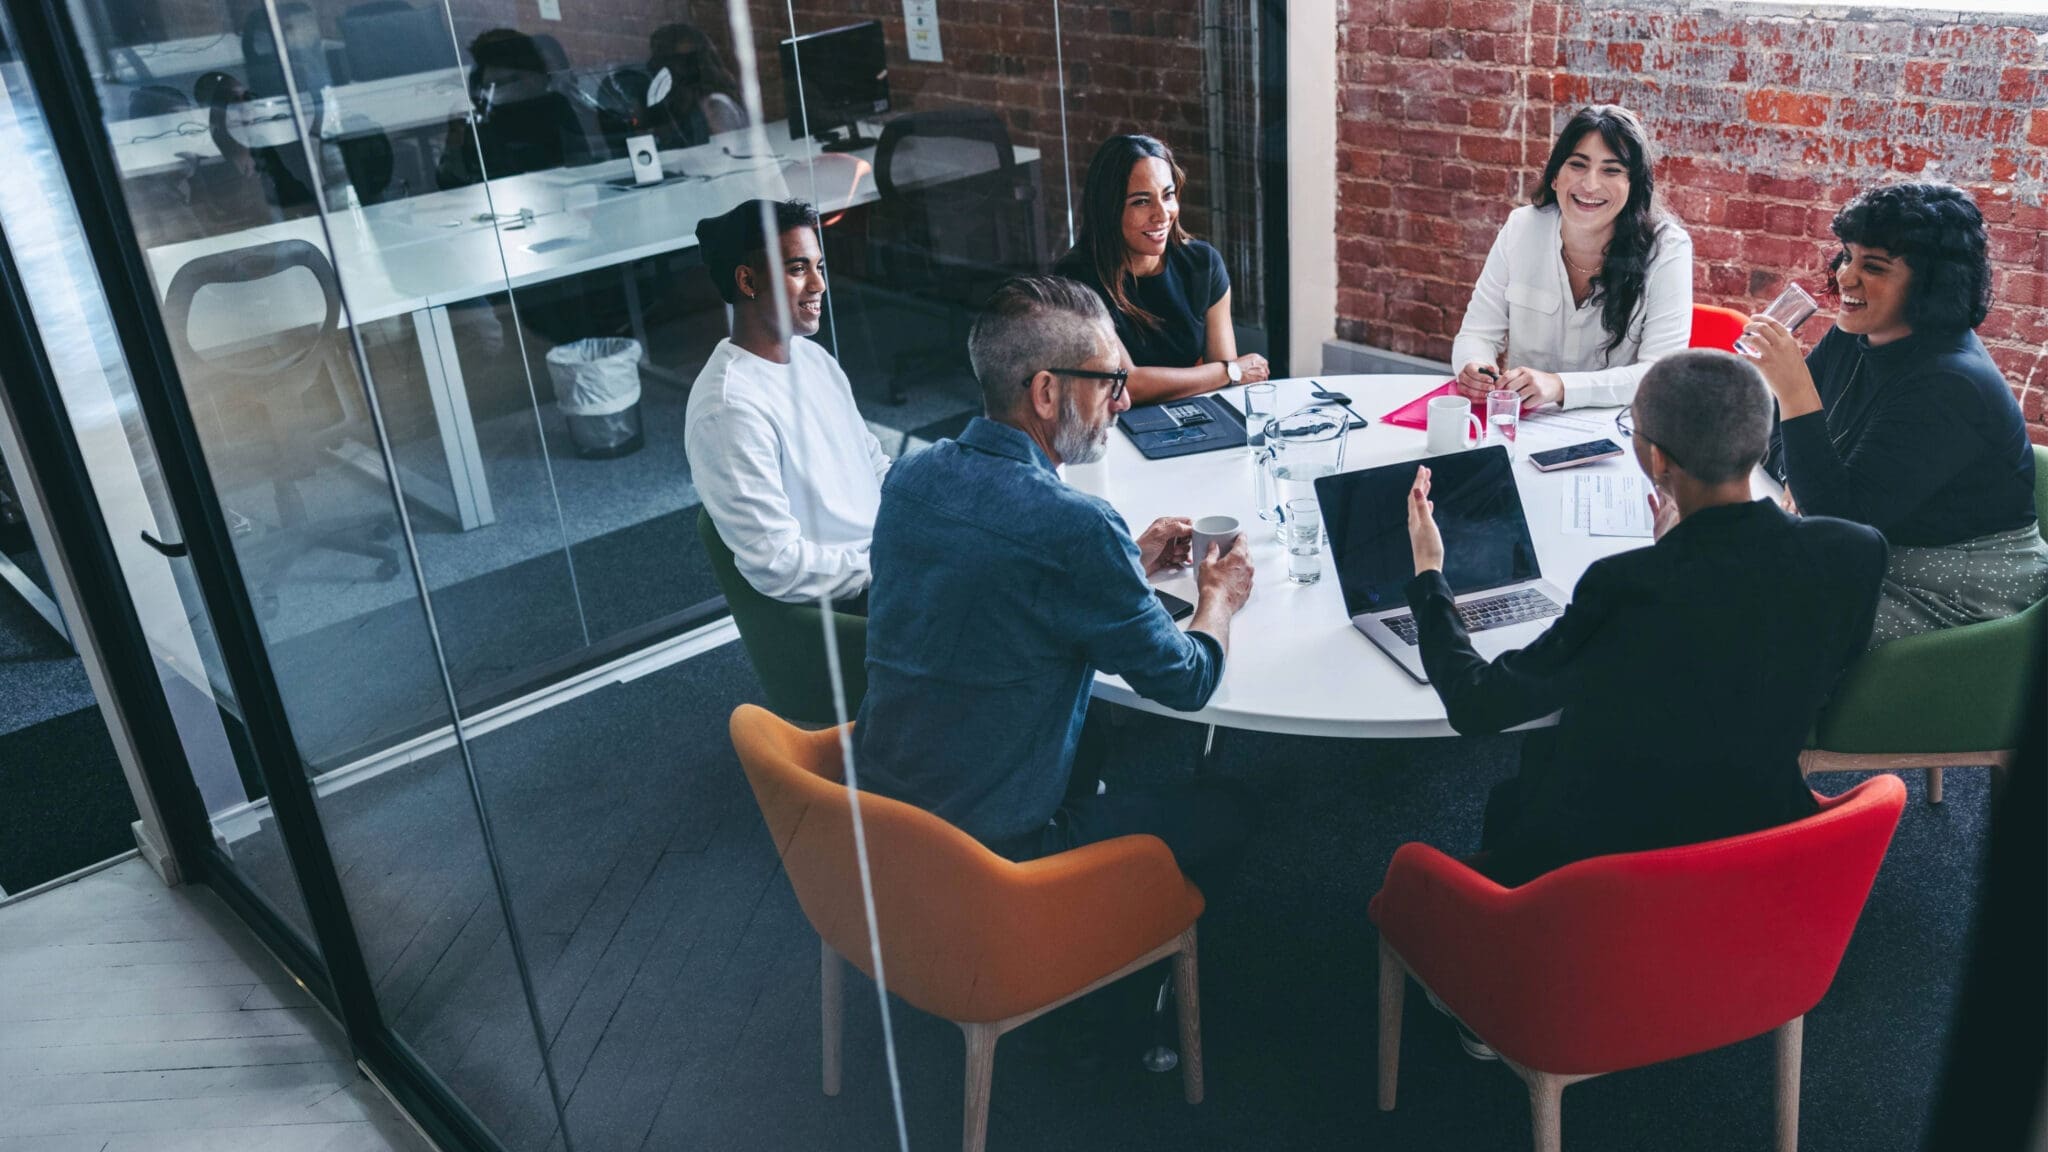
1588 285
1899 419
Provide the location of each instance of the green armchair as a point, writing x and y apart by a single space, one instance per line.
786 642
1947 699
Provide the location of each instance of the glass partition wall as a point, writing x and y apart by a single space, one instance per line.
422 293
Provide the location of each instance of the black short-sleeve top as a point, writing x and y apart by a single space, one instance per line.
1180 294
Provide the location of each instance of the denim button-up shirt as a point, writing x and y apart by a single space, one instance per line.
998 593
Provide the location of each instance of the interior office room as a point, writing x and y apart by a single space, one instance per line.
399 748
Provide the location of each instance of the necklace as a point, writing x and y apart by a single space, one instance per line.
1850 427
1574 267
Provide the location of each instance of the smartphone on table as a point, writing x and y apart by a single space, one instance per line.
1176 607
1574 455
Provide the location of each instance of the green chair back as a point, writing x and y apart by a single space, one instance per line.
1942 694
2041 486
786 642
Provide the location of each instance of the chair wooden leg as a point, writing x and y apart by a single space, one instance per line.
1934 785
1546 1110
981 1071
1791 1037
1393 992
1187 994
831 1003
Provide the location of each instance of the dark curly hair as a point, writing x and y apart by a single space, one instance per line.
1626 270
1938 231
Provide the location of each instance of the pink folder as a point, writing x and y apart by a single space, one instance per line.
1415 413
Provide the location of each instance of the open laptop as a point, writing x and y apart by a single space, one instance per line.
1489 559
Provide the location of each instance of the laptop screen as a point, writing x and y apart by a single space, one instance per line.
1478 510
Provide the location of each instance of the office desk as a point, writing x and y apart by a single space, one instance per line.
152 145
1296 665
415 257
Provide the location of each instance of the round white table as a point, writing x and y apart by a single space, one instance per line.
1296 665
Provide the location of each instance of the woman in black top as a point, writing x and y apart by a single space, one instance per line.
1900 419
1168 293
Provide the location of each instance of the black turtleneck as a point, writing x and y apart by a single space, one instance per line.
1920 438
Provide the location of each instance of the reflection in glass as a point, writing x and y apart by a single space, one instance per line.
267 244
70 312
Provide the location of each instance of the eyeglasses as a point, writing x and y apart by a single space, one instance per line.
1119 379
1625 423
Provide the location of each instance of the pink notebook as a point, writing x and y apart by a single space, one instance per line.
1415 413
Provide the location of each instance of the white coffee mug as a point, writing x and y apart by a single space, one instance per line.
1452 426
1219 530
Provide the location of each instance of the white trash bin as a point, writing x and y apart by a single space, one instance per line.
597 387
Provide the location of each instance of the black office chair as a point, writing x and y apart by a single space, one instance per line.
392 38
273 414
310 62
264 76
368 158
954 220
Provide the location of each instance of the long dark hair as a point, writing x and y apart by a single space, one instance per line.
1938 231
1102 216
1626 268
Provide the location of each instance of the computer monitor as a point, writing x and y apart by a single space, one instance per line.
844 76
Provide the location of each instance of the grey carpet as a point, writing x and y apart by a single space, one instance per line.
64 803
41 678
677 977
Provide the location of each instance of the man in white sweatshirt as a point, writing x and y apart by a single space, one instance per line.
779 454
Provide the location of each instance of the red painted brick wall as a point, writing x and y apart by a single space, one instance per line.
1766 124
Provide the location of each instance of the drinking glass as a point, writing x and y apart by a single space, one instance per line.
1503 416
1259 400
1304 540
1792 308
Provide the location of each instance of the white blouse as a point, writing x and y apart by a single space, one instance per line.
1523 306
787 469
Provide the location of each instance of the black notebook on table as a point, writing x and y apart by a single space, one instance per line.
1184 427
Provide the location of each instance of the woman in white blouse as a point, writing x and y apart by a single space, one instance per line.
1588 286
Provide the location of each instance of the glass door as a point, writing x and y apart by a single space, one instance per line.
180 259
70 314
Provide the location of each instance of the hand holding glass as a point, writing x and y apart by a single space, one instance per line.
1792 308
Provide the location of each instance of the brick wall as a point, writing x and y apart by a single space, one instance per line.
1767 122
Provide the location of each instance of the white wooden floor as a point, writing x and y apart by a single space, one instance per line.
135 1017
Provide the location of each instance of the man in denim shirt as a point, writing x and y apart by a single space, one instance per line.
999 592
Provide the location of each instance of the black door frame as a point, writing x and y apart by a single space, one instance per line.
1273 179
52 56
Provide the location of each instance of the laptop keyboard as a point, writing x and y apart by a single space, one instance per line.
1517 607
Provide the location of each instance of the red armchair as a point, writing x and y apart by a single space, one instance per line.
1622 961
1714 327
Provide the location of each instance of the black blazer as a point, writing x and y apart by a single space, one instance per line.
1688 674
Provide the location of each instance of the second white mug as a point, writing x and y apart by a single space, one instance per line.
1452 426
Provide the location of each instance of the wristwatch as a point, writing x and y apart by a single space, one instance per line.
1232 370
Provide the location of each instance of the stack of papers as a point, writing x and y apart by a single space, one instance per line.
1607 504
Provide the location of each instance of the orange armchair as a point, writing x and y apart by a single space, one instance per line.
964 934
1714 327
1622 961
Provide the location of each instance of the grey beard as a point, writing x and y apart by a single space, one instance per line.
1074 440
